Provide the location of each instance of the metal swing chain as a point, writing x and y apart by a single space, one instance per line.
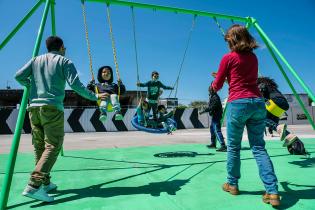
136 51
184 56
87 39
218 24
113 46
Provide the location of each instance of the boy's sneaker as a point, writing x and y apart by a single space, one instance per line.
222 149
103 117
38 194
272 199
281 130
211 146
289 139
118 116
230 188
51 186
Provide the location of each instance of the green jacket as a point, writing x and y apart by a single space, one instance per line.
154 89
46 75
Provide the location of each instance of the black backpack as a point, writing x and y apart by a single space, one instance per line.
297 148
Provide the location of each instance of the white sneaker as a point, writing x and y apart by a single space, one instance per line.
119 116
281 130
38 194
103 118
51 186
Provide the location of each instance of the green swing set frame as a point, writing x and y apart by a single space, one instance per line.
50 4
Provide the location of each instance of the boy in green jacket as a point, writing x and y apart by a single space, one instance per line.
153 93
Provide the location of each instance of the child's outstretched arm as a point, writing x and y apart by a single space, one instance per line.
139 84
205 110
170 114
165 87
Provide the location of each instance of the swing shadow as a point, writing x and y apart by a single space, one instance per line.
171 187
115 191
304 162
87 169
154 188
118 161
179 154
289 197
96 191
82 193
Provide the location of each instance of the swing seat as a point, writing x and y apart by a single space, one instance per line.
110 108
139 127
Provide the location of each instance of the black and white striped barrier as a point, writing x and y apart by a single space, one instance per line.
86 120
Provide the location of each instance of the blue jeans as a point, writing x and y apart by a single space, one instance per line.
215 131
249 112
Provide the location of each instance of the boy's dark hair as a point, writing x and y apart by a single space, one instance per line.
53 43
99 74
160 107
154 72
211 90
268 82
239 39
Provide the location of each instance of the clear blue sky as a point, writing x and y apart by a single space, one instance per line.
161 40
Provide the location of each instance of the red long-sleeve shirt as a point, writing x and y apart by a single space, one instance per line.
241 72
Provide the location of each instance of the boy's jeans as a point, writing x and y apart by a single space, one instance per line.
113 99
153 106
47 124
168 125
249 112
273 125
215 131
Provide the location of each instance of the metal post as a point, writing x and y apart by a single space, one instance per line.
20 24
268 44
20 120
170 9
53 20
272 46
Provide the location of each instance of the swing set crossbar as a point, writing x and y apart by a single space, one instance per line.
172 9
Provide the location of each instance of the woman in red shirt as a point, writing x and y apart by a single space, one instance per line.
246 107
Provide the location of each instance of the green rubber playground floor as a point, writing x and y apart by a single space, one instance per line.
187 176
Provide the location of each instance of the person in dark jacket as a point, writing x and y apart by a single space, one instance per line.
164 119
106 85
215 111
276 105
154 92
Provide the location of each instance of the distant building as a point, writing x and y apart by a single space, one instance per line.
169 102
294 102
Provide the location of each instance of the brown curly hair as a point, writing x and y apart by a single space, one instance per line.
239 39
